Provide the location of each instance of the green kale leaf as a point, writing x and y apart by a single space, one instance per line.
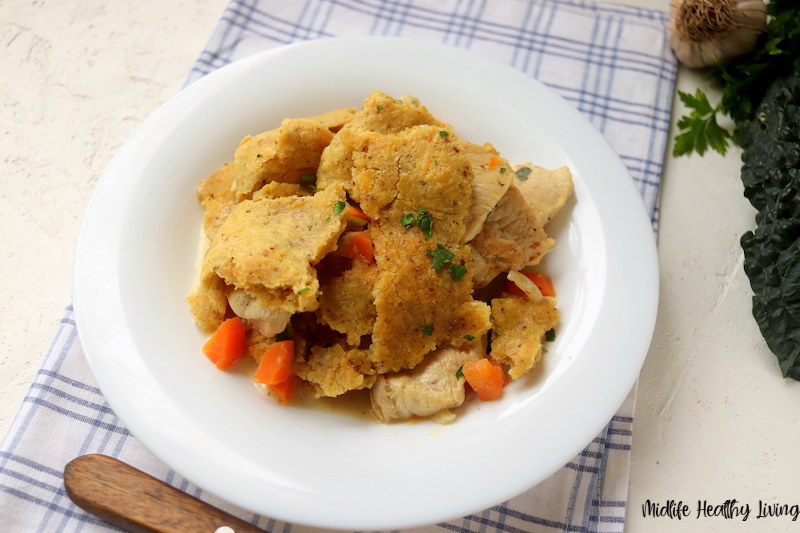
771 176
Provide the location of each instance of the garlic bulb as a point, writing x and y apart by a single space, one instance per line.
703 33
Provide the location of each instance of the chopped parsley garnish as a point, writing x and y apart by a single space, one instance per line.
309 180
304 289
457 271
427 330
442 133
523 173
339 206
259 155
502 169
460 372
423 221
379 106
440 257
550 335
469 337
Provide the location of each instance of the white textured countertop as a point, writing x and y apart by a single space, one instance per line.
714 420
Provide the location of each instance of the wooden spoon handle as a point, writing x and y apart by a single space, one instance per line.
129 498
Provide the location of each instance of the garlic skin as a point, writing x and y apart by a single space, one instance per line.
749 17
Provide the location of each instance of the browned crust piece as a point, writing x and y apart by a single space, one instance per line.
519 327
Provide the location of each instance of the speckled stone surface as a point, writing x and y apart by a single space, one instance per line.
78 77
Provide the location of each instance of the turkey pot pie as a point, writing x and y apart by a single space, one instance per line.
363 236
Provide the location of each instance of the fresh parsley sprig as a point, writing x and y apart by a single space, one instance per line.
441 257
699 129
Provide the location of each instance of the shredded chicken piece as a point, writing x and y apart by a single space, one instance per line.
431 388
492 178
269 321
546 191
509 240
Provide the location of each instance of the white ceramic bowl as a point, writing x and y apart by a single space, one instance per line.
135 264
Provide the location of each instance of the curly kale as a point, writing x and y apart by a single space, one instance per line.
771 176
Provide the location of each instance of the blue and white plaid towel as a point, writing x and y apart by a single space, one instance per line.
611 62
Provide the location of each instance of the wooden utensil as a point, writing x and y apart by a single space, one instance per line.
129 498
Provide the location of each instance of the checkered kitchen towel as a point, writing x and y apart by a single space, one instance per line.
611 62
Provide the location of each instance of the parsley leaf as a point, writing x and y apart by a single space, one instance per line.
338 207
440 257
469 337
407 220
550 335
427 330
309 180
424 221
523 173
460 372
457 271
700 128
